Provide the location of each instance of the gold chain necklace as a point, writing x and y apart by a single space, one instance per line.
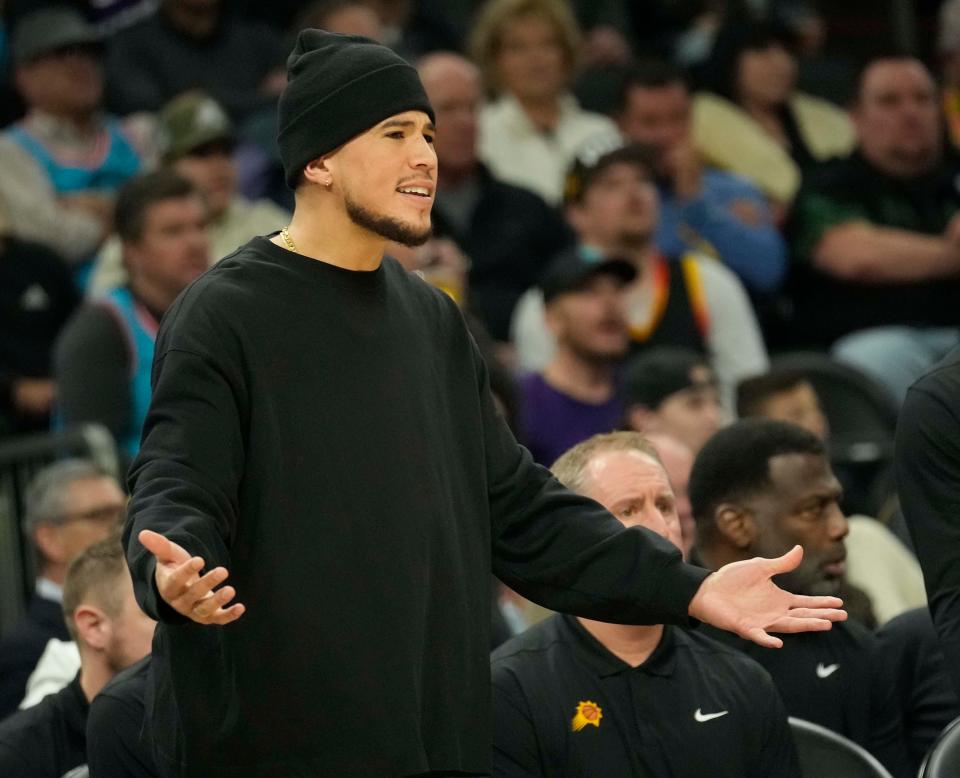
288 240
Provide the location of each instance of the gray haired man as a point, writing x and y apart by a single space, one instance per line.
69 506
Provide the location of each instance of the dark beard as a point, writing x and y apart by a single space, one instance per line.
385 227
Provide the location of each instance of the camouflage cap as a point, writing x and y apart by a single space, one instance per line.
188 122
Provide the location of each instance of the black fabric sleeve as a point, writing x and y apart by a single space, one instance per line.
12 763
565 551
114 746
92 370
183 483
887 738
927 455
515 750
778 755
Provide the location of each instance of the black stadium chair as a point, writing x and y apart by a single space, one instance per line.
943 761
825 754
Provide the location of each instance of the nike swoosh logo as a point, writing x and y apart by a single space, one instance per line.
825 671
701 717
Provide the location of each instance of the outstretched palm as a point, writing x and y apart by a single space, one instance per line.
742 598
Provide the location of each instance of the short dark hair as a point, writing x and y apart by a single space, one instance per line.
649 74
139 193
735 37
753 393
735 463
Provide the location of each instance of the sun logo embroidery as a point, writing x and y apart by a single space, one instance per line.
587 713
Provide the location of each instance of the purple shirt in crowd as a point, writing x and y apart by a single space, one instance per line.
551 422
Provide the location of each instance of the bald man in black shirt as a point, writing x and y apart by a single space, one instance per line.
576 697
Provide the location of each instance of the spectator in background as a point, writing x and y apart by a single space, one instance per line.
195 44
37 296
111 633
687 301
347 17
104 357
784 395
948 47
509 233
69 506
701 207
575 697
63 163
761 485
677 460
530 132
672 391
755 123
577 394
877 561
877 236
195 138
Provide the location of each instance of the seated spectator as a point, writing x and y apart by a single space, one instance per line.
508 233
687 301
915 662
104 356
69 506
63 163
111 633
754 122
194 139
677 461
118 743
672 391
877 236
577 395
877 562
579 697
529 134
188 45
784 395
37 296
702 208
759 488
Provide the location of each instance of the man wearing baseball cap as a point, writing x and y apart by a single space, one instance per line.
195 137
576 395
63 163
322 428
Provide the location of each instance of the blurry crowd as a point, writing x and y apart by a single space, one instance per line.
690 222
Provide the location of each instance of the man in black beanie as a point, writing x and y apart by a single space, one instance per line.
322 425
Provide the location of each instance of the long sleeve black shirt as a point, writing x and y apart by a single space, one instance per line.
329 436
927 459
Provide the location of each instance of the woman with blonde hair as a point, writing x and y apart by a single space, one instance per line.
533 127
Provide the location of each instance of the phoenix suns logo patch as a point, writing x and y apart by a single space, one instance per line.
587 713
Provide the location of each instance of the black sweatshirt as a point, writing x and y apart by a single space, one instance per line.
927 458
329 436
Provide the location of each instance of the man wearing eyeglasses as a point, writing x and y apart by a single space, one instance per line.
69 506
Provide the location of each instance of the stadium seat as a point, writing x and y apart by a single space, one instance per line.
943 761
20 458
825 754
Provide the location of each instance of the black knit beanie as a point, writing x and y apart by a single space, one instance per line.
339 86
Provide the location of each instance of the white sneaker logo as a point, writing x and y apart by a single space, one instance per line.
825 671
701 717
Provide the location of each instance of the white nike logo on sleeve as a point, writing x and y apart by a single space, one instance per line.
825 671
701 717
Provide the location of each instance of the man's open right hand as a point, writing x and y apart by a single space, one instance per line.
183 588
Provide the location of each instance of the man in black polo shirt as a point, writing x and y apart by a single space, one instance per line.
759 485
877 234
578 697
49 739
